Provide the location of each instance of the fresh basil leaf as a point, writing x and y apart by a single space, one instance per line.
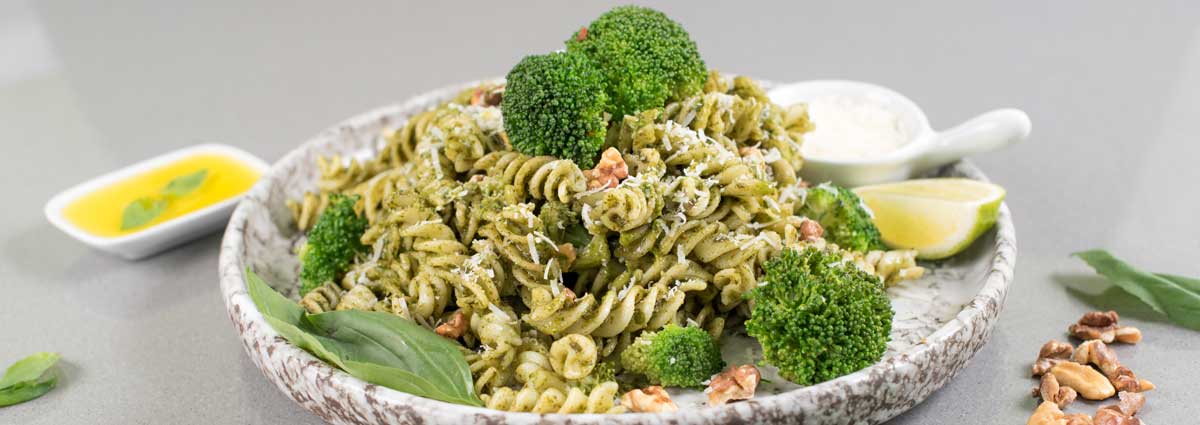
23 393
405 381
28 369
28 378
1169 295
287 318
141 211
383 339
1192 285
376 347
183 185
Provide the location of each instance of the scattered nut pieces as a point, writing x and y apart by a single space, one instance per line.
609 171
653 399
1067 372
1103 326
1052 353
1088 382
1049 390
454 327
735 383
811 230
1097 353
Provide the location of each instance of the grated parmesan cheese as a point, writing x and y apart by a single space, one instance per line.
852 127
533 248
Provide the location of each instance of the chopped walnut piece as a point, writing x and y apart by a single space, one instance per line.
1052 353
653 399
1146 385
1049 390
568 251
1097 353
735 383
487 96
1048 413
810 230
454 327
609 171
1123 412
1102 325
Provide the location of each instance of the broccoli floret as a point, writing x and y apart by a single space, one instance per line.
332 243
646 58
846 220
818 317
554 105
674 357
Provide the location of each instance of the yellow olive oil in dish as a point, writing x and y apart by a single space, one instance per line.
144 200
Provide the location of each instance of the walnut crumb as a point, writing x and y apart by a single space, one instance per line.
1050 390
609 172
1102 325
653 399
735 383
1052 353
454 327
811 230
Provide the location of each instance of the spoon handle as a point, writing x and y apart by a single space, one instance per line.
986 132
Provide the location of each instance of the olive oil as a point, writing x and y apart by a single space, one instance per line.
99 212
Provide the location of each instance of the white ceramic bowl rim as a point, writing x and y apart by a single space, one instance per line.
974 321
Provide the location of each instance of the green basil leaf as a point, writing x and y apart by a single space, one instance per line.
287 318
28 378
23 393
183 185
28 369
382 339
1174 297
376 347
1192 285
141 211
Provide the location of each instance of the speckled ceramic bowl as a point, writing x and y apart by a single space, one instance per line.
941 320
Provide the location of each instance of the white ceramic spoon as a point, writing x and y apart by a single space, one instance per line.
926 150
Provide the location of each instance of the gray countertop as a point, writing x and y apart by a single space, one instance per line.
1113 91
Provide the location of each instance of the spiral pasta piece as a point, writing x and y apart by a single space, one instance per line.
540 177
573 356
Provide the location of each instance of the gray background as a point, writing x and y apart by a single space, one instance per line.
85 87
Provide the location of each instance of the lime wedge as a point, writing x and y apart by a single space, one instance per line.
936 217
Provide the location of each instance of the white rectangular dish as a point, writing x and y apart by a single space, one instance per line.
167 234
